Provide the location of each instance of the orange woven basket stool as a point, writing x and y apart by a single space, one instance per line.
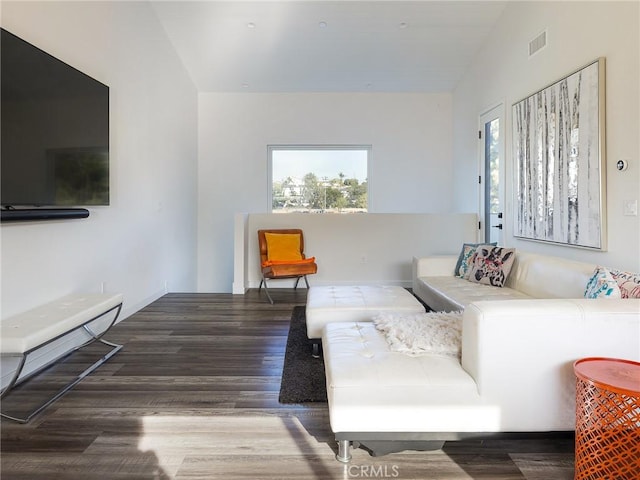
607 419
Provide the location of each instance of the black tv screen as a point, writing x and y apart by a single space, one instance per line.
55 130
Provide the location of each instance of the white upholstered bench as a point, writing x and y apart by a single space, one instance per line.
22 334
354 303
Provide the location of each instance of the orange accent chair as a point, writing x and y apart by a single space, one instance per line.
282 256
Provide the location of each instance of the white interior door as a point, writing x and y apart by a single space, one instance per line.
491 146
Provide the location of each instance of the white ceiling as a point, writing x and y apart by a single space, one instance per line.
282 46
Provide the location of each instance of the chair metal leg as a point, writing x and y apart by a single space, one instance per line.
305 281
295 286
266 289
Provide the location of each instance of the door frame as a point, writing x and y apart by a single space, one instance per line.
495 111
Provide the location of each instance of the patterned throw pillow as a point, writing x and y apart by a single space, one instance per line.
629 283
492 265
602 285
465 259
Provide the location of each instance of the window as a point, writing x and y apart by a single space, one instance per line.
318 178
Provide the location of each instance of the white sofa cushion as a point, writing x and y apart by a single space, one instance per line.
448 293
542 276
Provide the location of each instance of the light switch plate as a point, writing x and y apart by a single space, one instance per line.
631 208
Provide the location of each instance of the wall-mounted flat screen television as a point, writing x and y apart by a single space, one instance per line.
55 130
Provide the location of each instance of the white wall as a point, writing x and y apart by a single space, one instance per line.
357 249
145 241
577 33
409 170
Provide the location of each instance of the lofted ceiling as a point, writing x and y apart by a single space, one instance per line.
327 46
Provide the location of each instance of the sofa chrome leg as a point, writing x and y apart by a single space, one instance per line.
343 455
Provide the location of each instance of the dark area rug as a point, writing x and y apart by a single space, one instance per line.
303 379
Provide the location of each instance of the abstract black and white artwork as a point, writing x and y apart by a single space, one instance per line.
558 148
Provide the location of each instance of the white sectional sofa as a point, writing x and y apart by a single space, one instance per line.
515 374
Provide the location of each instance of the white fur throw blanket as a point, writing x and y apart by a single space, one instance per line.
431 333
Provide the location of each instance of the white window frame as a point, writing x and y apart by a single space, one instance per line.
272 148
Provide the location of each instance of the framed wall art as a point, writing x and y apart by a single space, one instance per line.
559 160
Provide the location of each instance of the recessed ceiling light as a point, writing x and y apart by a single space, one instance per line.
251 25
322 24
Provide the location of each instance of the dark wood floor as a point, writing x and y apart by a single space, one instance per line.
194 394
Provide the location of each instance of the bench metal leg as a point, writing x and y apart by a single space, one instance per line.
16 375
115 348
66 388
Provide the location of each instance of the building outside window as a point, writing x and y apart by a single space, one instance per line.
319 179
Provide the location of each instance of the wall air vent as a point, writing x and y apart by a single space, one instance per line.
538 43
